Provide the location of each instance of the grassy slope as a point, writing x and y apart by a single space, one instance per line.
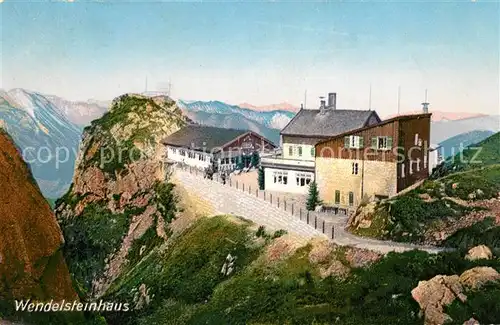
186 285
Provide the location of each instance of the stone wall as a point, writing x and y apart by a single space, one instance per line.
373 178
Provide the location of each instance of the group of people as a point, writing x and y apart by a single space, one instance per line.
209 173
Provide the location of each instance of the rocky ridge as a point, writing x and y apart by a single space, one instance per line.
119 181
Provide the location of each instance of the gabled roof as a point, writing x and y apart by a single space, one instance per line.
327 123
206 138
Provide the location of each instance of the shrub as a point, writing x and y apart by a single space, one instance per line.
482 233
313 198
261 179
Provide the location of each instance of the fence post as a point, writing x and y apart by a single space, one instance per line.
278 201
292 209
257 193
300 213
285 204
307 216
323 226
271 198
333 231
243 187
315 222
264 195
249 189
236 184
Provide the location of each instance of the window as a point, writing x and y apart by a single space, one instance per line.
191 155
182 152
233 160
280 177
303 179
355 168
382 143
300 151
290 150
337 197
351 198
353 141
174 150
313 152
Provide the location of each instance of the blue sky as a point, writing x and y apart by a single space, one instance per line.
259 52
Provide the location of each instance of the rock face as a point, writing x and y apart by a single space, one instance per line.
479 252
434 294
31 261
120 185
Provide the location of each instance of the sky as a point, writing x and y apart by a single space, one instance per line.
259 52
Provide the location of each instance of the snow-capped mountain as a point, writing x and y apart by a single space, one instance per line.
273 107
276 119
78 112
45 136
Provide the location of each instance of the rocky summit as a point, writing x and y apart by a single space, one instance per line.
117 201
31 260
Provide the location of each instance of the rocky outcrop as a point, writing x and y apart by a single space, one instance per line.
363 216
442 290
31 262
479 252
120 173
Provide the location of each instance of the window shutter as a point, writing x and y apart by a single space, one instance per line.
361 142
374 143
389 142
346 142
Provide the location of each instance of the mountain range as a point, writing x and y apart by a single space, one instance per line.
43 124
216 113
273 107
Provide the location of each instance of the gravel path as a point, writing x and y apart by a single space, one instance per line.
228 200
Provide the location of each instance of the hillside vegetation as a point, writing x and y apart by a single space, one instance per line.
458 189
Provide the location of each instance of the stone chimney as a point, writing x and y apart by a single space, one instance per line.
425 108
332 101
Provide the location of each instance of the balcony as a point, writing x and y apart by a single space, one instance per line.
277 161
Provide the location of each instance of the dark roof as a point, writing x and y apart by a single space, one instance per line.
202 137
313 122
396 118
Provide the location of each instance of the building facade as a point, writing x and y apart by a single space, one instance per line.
293 169
203 147
373 162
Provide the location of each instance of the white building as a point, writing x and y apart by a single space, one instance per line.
201 146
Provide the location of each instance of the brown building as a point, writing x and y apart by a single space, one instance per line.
376 161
